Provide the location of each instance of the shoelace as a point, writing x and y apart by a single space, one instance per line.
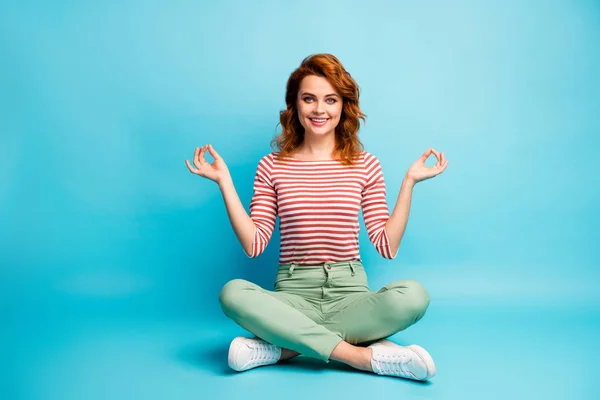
394 365
263 352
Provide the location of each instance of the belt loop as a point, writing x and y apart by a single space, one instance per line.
352 268
291 270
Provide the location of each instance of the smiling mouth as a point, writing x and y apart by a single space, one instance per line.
319 120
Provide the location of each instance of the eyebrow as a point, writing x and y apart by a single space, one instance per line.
327 95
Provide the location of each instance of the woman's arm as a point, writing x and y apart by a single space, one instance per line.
254 231
417 172
218 172
242 224
375 207
396 225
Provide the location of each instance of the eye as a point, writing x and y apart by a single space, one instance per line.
331 100
308 99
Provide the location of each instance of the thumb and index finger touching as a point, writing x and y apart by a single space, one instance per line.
427 153
202 150
213 152
199 159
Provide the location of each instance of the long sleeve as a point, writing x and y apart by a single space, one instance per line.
263 207
375 208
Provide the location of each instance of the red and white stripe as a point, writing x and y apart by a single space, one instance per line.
318 203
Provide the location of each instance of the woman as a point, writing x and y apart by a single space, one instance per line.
316 183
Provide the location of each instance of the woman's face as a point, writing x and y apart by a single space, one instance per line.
319 106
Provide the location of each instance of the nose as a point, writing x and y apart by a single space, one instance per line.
319 108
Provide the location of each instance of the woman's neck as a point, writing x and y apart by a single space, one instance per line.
316 148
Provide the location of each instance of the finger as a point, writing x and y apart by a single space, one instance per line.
437 155
426 155
213 153
192 170
201 158
196 154
202 153
197 161
442 168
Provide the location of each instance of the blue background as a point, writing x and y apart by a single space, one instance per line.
112 254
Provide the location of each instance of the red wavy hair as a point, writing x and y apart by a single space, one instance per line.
347 145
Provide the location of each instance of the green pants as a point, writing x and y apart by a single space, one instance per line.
314 308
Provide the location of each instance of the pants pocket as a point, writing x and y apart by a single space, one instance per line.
352 282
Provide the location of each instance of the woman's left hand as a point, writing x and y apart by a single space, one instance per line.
419 171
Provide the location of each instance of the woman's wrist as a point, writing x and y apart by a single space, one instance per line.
408 181
224 182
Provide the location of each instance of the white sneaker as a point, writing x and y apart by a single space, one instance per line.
411 362
245 353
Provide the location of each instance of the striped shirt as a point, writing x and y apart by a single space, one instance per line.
318 203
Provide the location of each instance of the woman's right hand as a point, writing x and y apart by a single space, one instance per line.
217 171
